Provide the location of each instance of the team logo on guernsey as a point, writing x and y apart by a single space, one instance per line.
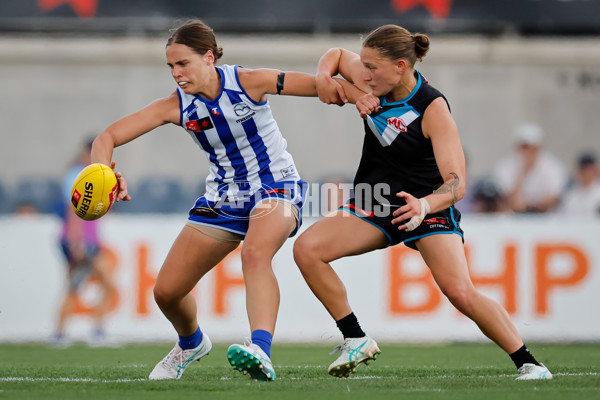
241 109
387 127
397 124
199 125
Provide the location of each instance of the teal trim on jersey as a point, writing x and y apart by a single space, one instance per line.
407 98
237 78
216 99
380 120
435 233
389 238
452 218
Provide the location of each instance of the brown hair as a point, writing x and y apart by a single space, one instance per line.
395 42
197 36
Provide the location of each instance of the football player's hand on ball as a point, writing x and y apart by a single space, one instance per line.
122 194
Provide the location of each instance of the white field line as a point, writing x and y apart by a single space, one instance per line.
90 380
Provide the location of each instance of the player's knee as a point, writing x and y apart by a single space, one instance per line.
255 257
305 252
461 298
163 295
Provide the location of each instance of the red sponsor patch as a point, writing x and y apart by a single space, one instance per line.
435 221
75 198
199 125
192 126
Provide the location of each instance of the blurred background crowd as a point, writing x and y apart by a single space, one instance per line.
522 78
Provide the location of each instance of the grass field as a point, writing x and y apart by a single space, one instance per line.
453 371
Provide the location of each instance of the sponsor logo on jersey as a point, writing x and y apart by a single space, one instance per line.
247 117
199 125
205 212
288 171
215 111
436 222
191 111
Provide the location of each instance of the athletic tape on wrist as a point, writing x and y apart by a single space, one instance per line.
415 221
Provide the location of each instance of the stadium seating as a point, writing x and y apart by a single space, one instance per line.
43 193
157 195
4 200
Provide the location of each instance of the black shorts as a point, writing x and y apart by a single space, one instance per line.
443 222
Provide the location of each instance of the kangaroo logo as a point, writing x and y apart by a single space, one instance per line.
241 109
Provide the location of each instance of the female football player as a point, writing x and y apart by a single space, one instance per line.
411 174
253 191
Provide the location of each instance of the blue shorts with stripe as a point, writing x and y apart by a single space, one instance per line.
233 215
443 222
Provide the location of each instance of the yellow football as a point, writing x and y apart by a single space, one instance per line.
94 191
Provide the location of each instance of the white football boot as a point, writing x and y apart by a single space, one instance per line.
174 363
354 351
529 372
251 359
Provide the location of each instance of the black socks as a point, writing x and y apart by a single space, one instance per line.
523 356
350 327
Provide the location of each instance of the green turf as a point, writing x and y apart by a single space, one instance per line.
455 371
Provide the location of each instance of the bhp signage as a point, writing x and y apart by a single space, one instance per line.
543 276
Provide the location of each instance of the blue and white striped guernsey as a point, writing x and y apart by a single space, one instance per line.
240 138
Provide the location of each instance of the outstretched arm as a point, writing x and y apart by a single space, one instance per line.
128 128
260 82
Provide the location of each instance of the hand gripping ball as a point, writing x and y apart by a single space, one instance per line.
94 191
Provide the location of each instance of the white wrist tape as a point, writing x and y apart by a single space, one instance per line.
415 221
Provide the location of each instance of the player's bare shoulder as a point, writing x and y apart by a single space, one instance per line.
166 108
258 82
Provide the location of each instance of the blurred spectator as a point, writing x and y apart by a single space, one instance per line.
530 178
487 197
82 249
26 207
583 197
466 205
